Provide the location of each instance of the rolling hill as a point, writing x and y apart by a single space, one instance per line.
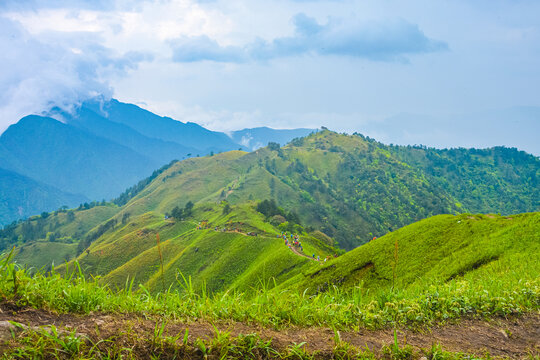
22 197
353 188
437 250
334 190
101 147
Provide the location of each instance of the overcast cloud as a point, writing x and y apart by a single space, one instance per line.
382 41
231 64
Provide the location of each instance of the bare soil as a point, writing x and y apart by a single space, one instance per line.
515 338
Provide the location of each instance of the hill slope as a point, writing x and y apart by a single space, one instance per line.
73 160
21 197
333 189
353 188
436 250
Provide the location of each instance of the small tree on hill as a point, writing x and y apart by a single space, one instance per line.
177 213
188 209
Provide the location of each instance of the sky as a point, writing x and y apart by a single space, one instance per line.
419 71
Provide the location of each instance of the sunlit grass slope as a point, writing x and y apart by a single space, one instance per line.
448 267
42 255
481 249
219 260
351 187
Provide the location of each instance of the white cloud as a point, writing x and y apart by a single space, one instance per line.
63 50
54 69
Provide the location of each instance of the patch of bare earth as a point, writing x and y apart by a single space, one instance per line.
515 338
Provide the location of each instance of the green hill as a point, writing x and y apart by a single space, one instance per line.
21 197
447 267
332 189
353 188
475 248
222 255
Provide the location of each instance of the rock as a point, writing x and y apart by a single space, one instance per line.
6 330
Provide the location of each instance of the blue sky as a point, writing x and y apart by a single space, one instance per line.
345 64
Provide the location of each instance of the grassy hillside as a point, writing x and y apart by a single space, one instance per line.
350 187
475 248
331 189
226 258
447 267
61 226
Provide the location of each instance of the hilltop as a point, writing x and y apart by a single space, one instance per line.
352 188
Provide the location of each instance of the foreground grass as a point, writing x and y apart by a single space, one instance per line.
335 308
51 342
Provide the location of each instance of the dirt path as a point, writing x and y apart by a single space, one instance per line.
295 250
514 338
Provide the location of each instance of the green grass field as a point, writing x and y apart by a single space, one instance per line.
473 265
221 260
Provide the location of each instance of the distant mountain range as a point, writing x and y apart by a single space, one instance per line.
98 151
21 196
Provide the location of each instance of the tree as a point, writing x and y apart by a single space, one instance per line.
70 216
188 208
273 146
125 218
177 213
226 209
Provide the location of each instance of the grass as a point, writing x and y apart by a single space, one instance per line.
335 308
508 284
437 287
475 248
220 260
52 342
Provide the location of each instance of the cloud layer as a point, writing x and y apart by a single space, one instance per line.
378 41
54 69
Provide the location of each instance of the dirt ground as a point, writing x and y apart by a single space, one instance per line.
515 338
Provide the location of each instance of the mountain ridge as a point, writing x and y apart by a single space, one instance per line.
98 149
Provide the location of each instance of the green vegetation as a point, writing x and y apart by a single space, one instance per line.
430 290
436 250
350 188
50 341
448 267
